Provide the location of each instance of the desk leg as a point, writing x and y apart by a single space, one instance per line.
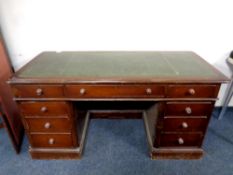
228 96
153 140
65 153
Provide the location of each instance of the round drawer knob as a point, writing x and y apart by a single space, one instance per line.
191 91
39 91
188 110
51 141
185 125
148 91
43 109
82 91
180 141
47 125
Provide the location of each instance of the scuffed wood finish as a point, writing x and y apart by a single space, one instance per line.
175 101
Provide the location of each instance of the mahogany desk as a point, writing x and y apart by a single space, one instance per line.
174 92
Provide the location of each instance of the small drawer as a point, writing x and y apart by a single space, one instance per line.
48 124
192 91
44 108
37 91
114 91
181 140
51 140
185 124
188 109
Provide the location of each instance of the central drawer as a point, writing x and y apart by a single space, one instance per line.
114 91
48 124
51 140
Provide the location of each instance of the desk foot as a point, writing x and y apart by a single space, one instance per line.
175 153
55 154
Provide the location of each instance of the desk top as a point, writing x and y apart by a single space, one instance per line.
110 66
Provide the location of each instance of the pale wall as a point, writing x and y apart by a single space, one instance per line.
203 26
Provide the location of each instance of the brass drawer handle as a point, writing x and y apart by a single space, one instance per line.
43 109
51 141
188 110
47 125
82 91
39 91
184 125
180 141
192 91
148 91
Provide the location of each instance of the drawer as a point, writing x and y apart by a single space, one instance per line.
37 91
114 91
181 140
44 108
51 140
192 91
48 124
185 124
188 109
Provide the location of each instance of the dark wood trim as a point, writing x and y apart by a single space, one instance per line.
86 80
115 99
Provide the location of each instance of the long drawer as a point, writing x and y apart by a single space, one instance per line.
188 108
111 91
181 140
51 140
192 91
44 108
47 124
184 124
38 91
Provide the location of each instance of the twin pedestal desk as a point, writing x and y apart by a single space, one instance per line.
173 92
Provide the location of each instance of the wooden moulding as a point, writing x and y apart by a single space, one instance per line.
74 153
169 153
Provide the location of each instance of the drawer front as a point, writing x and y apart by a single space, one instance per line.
44 108
111 91
48 124
188 109
185 124
181 140
192 91
51 140
37 91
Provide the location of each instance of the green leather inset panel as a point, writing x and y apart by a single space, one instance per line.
117 64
